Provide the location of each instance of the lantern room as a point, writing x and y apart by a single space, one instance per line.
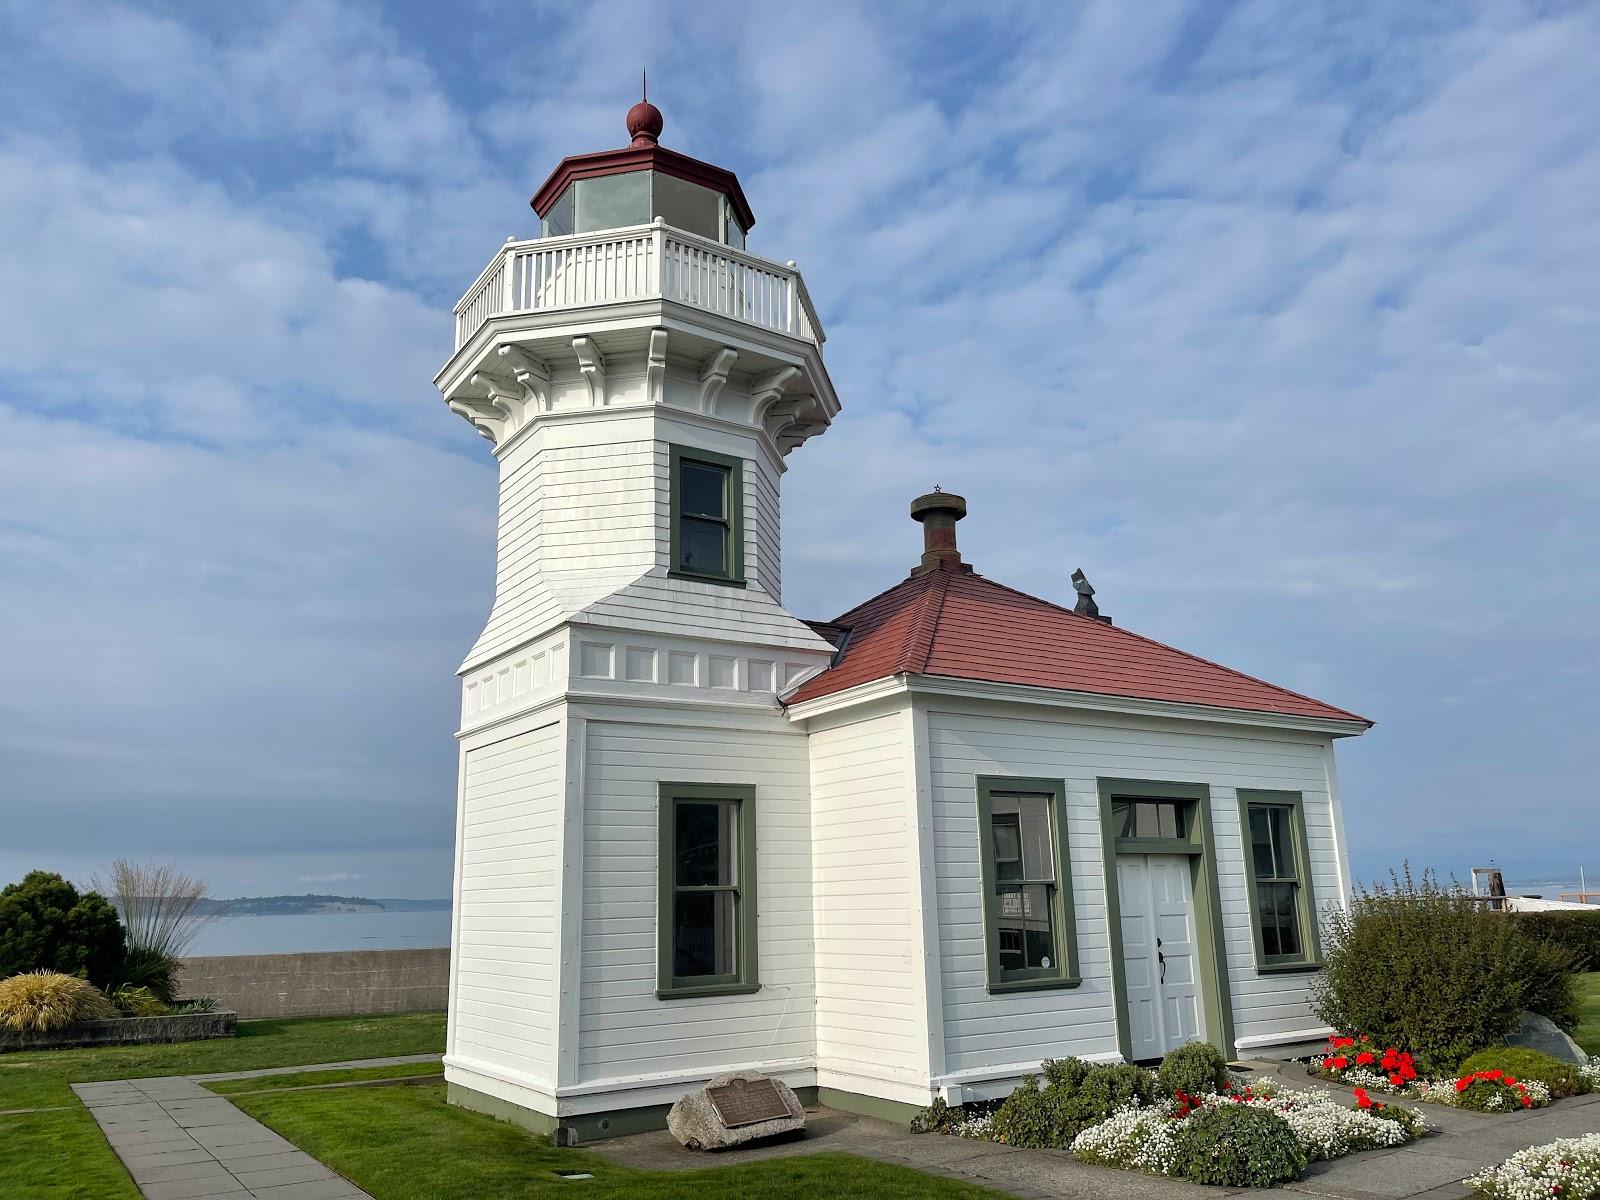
614 189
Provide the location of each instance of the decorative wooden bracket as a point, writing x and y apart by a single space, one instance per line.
485 418
504 397
593 366
713 375
766 391
655 369
532 375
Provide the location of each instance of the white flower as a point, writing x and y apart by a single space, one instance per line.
1568 1169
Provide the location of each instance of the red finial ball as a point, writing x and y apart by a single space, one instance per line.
644 123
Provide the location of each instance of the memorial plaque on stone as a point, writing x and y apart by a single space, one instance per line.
747 1102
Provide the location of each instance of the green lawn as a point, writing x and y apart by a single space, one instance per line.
62 1156
233 1087
38 1080
406 1143
1588 1035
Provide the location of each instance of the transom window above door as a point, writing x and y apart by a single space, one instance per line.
1148 819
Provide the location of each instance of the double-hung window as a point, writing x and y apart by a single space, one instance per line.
1029 934
707 903
707 538
1282 907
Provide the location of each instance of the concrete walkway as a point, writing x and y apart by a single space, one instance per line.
182 1142
1433 1168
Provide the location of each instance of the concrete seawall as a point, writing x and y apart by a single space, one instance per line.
322 984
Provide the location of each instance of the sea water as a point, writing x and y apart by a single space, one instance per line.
293 933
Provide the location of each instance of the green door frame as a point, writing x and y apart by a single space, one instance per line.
1198 845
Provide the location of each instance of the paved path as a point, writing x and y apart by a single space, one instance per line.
182 1142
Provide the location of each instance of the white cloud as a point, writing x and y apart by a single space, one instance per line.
1279 320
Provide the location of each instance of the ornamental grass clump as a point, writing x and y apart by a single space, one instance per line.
1238 1145
1423 966
1195 1068
1568 1169
44 1001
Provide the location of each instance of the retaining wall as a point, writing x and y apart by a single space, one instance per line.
322 984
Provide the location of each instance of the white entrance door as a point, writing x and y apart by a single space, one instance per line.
1158 952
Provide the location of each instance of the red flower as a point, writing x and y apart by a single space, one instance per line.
1463 1084
1365 1059
1396 1081
1339 1062
1362 1099
1527 1102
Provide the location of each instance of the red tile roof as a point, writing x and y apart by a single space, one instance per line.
956 623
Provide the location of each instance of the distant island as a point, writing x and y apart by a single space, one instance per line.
309 904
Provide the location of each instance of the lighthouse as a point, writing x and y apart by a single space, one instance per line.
643 378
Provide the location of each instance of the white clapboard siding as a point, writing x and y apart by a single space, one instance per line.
624 1029
869 1006
983 1030
507 922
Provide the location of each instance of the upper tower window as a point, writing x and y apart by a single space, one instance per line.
707 538
633 186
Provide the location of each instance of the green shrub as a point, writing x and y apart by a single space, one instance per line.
1549 986
1238 1146
41 1001
1579 932
138 1002
1562 1078
150 969
1194 1068
1074 1095
46 924
1424 968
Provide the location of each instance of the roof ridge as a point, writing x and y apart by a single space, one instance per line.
1173 649
918 647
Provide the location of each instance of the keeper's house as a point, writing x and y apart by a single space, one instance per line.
902 854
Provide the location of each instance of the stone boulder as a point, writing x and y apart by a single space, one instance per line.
695 1123
1544 1035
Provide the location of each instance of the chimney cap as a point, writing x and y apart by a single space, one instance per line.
936 501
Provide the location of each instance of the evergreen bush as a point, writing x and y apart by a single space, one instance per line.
1579 932
1562 1078
1237 1145
1195 1069
46 924
1074 1095
1423 967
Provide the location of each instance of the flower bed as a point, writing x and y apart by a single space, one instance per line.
1568 1169
1358 1062
1485 1091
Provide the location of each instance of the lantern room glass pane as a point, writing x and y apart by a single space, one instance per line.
613 201
688 206
558 220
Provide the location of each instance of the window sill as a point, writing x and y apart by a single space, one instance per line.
715 989
1288 968
1034 985
719 580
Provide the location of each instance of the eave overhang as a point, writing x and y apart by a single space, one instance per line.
1009 693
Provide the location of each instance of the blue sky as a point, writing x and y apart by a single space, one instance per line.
1281 320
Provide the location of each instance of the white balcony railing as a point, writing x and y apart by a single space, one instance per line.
642 262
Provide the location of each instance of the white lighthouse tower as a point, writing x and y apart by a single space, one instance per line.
630 790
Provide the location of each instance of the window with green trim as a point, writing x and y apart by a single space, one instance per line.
1029 932
707 875
707 533
1278 864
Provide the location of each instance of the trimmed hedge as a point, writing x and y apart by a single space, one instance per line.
1579 932
1194 1068
1239 1146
